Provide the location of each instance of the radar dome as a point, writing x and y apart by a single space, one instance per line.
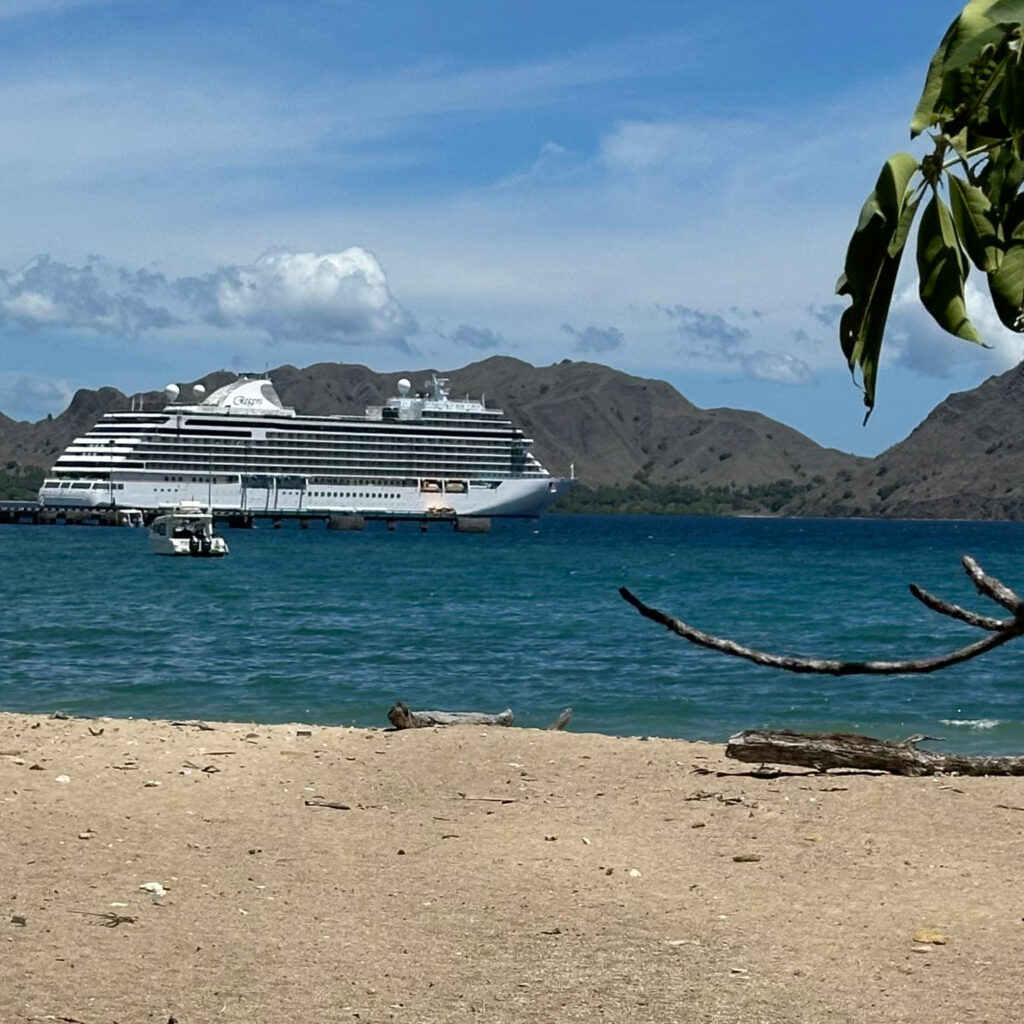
171 392
403 387
198 390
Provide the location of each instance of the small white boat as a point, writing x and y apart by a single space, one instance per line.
186 529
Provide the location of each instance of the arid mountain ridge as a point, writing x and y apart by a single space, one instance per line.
965 461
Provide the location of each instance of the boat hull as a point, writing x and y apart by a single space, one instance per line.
524 497
180 547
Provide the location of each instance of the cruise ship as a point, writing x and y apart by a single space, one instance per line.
241 451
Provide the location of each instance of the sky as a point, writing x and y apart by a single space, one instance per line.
666 187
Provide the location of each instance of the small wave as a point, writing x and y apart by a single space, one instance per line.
972 723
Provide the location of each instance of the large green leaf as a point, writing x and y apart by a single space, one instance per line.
957 78
925 115
1006 284
904 223
943 270
1010 100
1001 179
974 225
872 263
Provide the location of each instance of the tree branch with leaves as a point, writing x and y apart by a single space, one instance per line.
972 108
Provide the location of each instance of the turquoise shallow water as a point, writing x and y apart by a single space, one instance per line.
332 628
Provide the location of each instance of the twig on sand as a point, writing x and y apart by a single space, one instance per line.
110 919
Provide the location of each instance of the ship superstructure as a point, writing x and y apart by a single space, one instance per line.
241 450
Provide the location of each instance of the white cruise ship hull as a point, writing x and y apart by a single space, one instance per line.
506 498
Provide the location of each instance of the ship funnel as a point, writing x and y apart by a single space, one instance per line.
171 392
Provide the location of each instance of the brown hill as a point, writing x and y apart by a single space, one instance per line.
612 428
965 461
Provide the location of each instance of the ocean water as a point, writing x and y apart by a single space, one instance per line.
333 627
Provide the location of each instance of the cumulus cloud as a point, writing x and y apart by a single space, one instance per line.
915 342
340 296
707 335
711 337
46 293
777 367
595 339
478 337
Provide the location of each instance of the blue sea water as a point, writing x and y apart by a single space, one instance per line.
333 627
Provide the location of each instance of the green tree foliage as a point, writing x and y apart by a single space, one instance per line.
20 484
680 499
972 109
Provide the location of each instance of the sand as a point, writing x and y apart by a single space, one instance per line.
486 875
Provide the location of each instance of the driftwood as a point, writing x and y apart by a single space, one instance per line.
822 751
561 721
1000 632
402 718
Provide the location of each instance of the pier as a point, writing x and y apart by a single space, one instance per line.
32 513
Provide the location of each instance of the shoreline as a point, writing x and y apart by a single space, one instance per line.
488 874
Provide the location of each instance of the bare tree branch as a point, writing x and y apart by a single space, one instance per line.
954 611
993 588
1001 632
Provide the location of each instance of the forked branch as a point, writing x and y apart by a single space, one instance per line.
1000 631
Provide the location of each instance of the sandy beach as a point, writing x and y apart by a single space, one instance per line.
157 872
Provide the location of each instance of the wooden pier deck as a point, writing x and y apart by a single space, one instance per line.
31 513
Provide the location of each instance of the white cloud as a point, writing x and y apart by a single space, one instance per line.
1007 347
778 367
47 293
914 341
334 297
305 296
